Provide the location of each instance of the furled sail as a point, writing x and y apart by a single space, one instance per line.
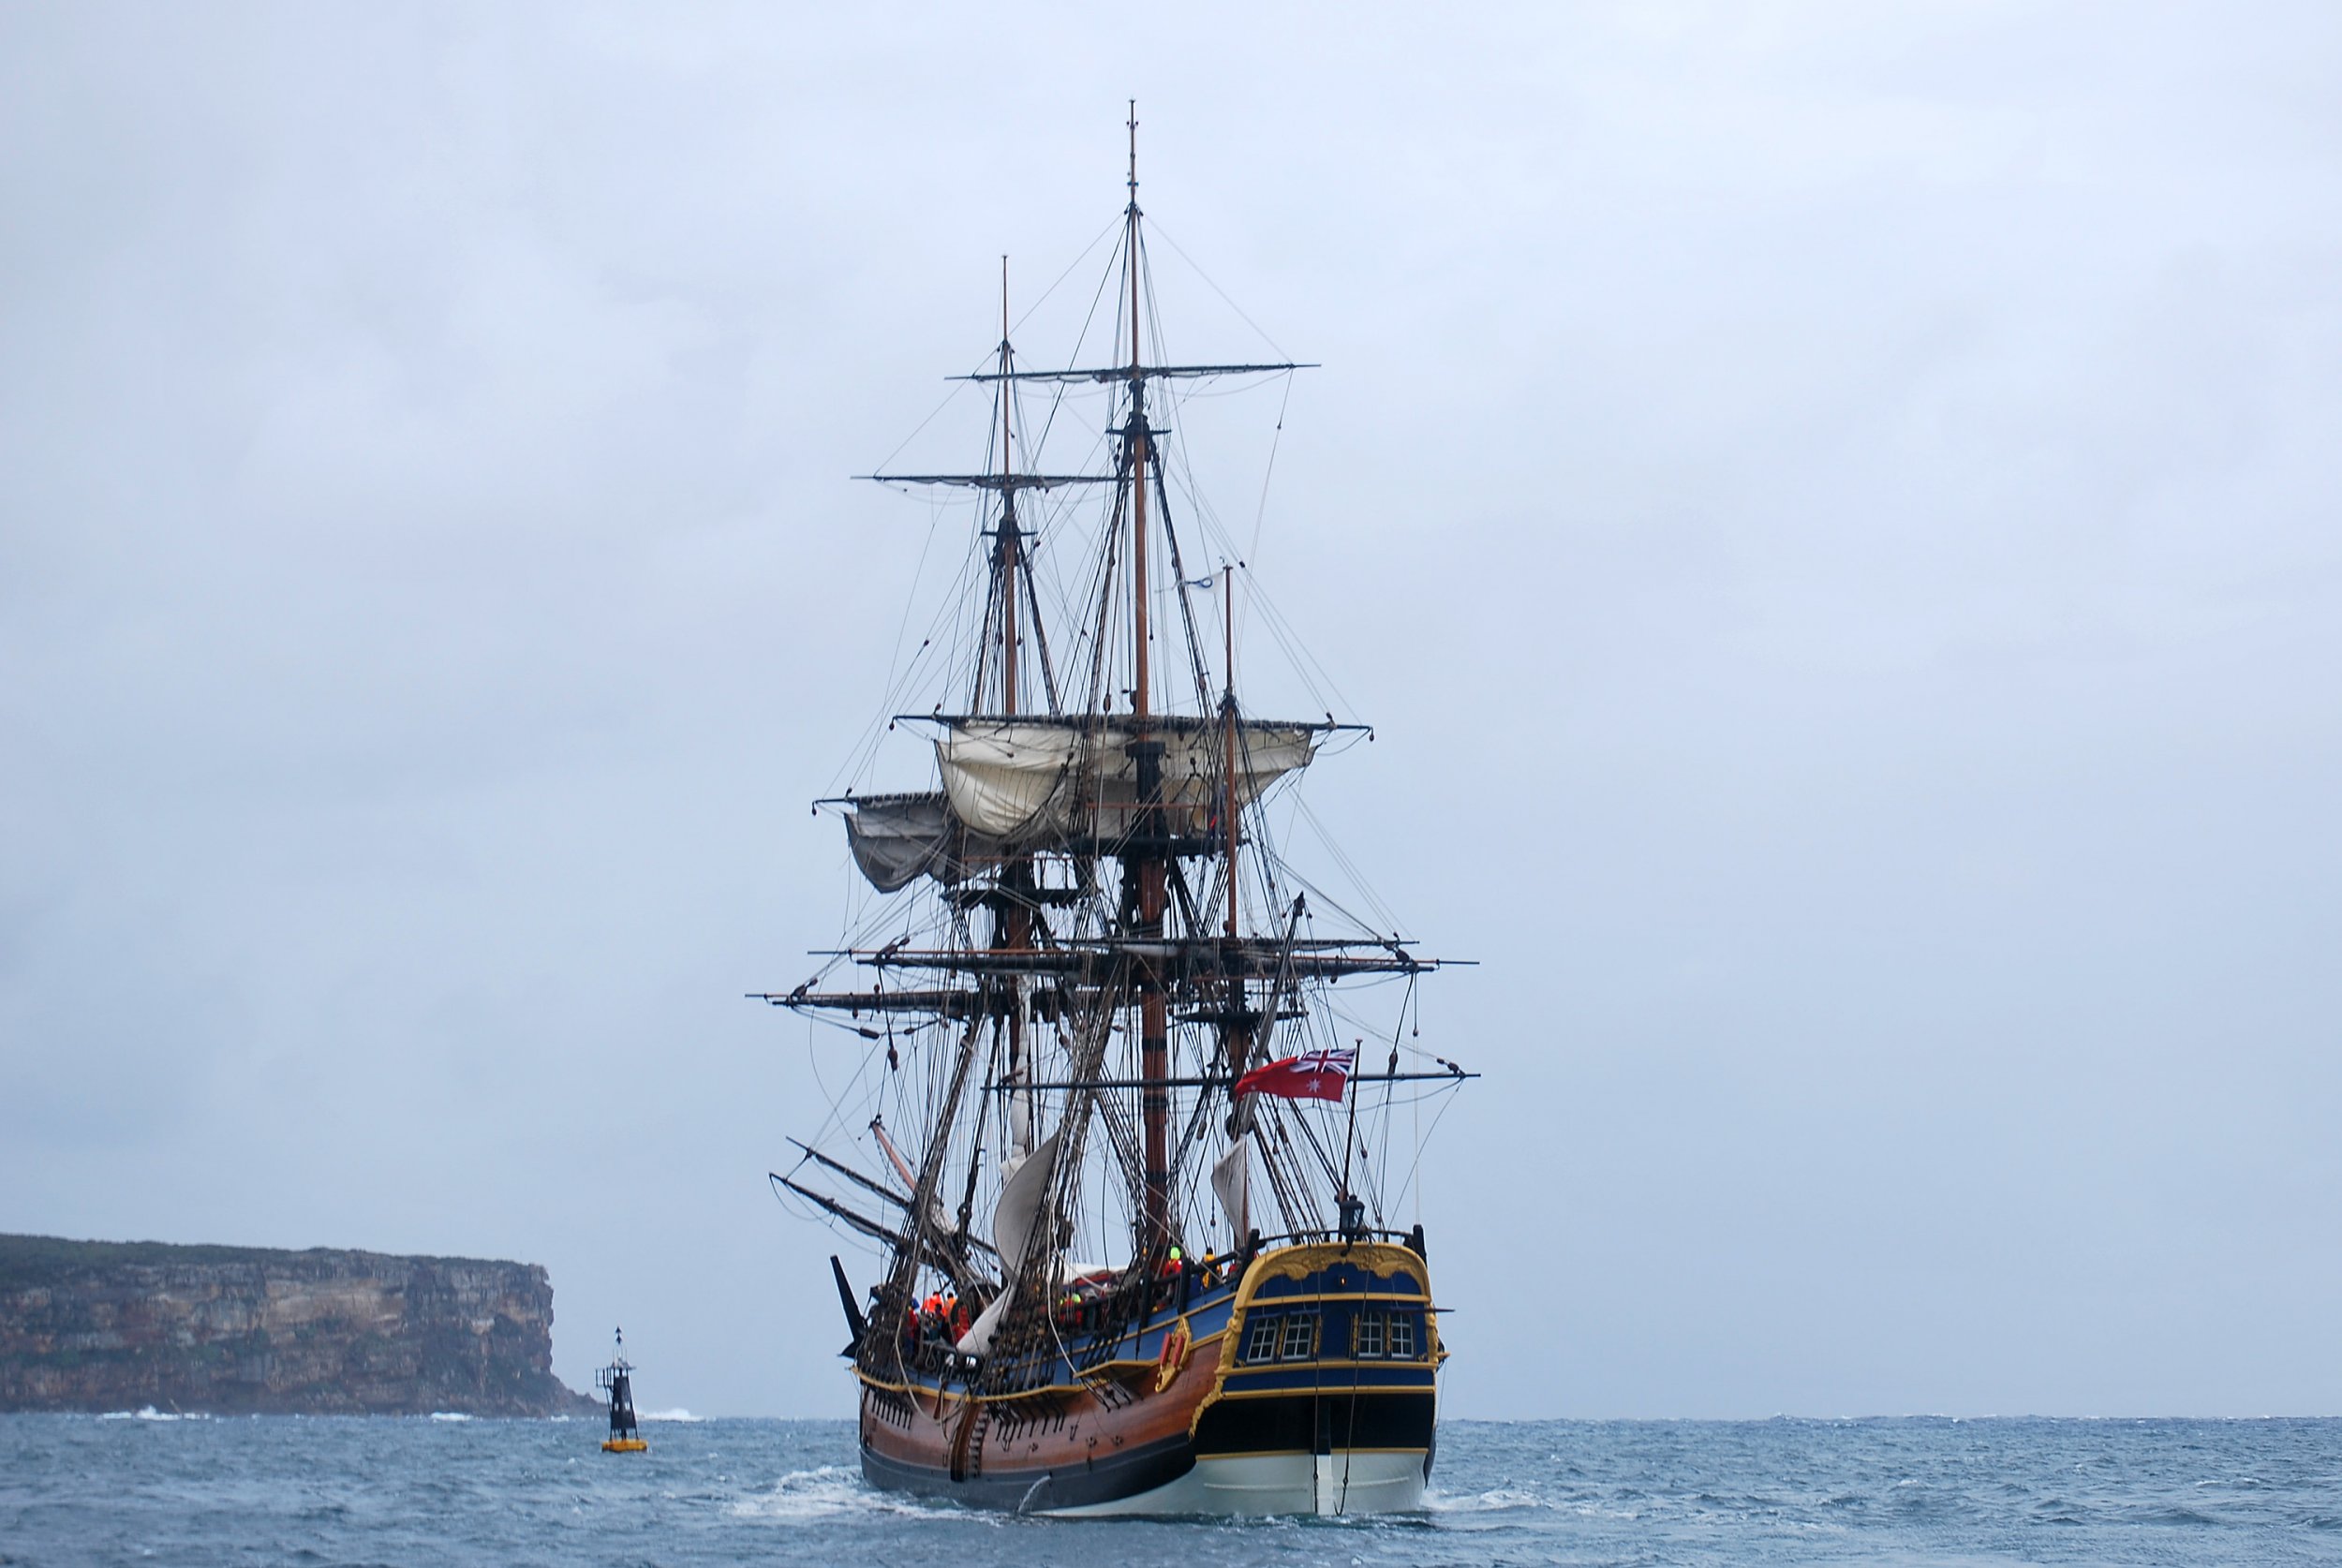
897 840
1032 783
1232 1182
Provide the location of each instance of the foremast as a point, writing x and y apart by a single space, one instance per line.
1148 854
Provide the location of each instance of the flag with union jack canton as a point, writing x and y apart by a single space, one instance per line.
1312 1075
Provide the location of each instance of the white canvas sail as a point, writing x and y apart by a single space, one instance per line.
978 1339
1024 1198
1029 783
1232 1184
897 840
1013 781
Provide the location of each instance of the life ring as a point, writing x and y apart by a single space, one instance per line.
1173 1357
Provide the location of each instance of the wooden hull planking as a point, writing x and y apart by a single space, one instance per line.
1307 1387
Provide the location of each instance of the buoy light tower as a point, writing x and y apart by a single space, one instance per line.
616 1379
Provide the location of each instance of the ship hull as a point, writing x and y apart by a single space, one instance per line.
1347 1481
1309 1385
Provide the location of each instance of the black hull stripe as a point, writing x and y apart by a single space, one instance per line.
1300 1424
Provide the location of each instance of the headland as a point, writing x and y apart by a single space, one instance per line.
102 1325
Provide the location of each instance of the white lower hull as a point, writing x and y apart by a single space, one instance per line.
1351 1481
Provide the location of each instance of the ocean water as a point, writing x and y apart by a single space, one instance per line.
100 1490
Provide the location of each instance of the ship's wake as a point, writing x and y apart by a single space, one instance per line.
829 1492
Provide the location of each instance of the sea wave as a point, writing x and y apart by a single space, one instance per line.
1495 1500
827 1492
1687 1495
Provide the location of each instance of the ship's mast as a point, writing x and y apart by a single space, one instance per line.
1011 536
1237 1020
1228 815
1138 445
1148 841
1015 879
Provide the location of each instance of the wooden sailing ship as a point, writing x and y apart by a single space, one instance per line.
1095 1002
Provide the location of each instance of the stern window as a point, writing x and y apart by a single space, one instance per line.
1402 1336
1301 1338
1260 1341
1368 1336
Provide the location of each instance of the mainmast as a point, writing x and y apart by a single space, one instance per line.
1230 823
1236 1036
1011 537
1149 843
1017 884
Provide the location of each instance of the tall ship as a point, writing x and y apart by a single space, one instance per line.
1128 1108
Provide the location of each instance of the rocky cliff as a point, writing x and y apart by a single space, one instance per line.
95 1325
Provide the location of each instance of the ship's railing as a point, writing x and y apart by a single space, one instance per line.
1096 1328
1256 1243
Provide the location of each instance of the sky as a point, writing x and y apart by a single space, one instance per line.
1831 509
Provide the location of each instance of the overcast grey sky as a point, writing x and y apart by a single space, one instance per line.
1831 507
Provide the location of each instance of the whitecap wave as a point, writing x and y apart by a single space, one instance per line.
1495 1497
822 1493
451 1415
679 1413
148 1412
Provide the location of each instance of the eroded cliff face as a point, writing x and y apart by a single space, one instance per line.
119 1325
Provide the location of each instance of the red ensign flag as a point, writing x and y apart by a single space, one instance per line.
1310 1075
